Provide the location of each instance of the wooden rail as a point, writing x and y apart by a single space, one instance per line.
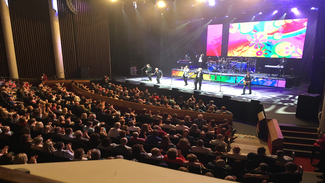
138 107
275 137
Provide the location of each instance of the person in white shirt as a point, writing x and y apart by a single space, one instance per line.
219 141
199 148
235 154
167 125
132 128
114 131
181 126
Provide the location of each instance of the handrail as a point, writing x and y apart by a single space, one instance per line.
56 75
275 135
138 107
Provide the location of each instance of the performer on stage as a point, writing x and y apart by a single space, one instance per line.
198 78
247 82
200 61
149 71
282 62
187 57
159 75
186 70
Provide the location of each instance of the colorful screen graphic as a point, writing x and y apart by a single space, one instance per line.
279 38
214 40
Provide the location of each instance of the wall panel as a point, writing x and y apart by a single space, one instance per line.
32 38
4 71
85 38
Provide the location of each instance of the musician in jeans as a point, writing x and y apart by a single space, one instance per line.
186 70
247 82
282 62
159 75
149 71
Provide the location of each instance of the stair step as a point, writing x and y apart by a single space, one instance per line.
298 128
300 140
298 153
299 134
298 146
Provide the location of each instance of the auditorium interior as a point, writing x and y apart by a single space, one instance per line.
162 91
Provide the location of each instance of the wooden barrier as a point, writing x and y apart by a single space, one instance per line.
138 107
68 82
275 137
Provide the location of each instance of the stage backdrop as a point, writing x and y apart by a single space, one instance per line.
279 38
214 40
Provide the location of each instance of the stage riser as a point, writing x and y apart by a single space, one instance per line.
299 128
302 141
302 135
235 79
297 146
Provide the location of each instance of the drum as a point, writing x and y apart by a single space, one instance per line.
244 66
212 68
238 65
233 64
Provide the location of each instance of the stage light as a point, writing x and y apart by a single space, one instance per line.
113 0
275 12
226 16
212 2
313 8
260 13
201 1
161 4
135 5
295 10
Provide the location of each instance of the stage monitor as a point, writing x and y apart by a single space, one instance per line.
272 39
214 40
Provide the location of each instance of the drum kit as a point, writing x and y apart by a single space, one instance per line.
231 66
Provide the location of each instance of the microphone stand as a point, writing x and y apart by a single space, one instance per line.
142 73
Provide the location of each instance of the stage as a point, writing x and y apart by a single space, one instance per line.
232 77
265 94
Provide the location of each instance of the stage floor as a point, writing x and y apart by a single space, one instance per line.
267 95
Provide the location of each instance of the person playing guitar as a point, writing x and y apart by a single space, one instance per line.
247 82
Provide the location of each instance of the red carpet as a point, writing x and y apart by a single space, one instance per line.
305 162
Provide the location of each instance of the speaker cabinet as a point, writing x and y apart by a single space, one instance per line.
308 107
84 73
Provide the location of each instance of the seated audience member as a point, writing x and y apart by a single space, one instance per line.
219 152
235 154
260 157
6 133
79 137
135 138
48 147
161 132
67 153
181 126
219 141
122 147
291 175
194 131
37 143
95 155
79 155
94 140
211 104
89 127
132 128
174 156
281 157
68 134
114 131
138 151
22 158
168 125
199 148
155 154
200 121
153 139
223 111
184 145
174 120
238 169
219 167
165 143
263 169
106 144
193 161
145 130
187 120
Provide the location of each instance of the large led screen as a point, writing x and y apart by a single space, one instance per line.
279 38
214 40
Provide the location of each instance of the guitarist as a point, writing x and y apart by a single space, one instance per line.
247 82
